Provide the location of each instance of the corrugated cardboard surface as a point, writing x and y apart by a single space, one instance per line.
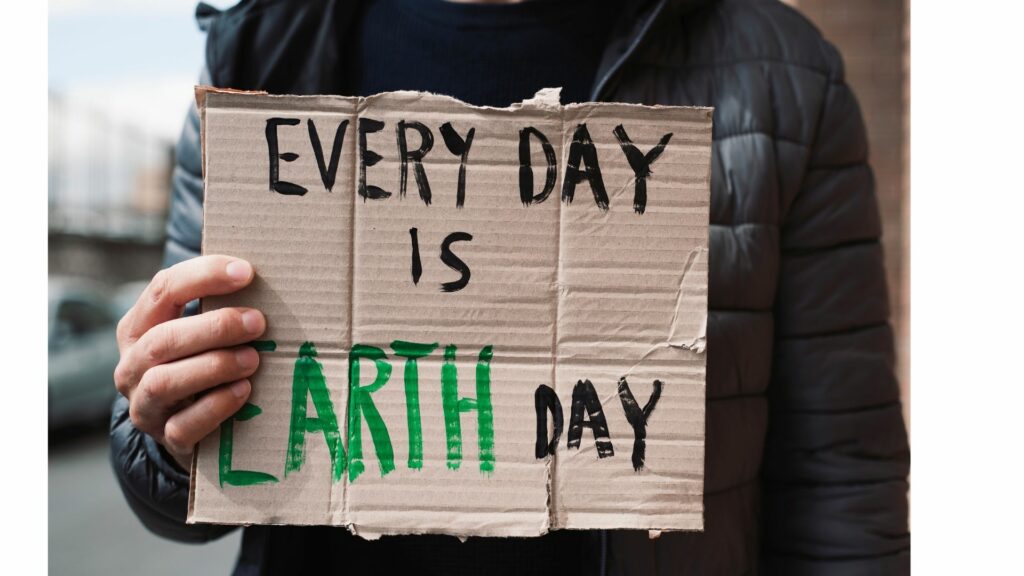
562 292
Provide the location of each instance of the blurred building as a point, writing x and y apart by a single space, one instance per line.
874 38
108 191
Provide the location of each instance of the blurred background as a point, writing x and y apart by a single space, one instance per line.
120 81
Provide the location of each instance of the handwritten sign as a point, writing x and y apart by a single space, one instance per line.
481 321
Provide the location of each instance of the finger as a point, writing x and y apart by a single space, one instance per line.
184 337
164 387
187 427
171 289
150 422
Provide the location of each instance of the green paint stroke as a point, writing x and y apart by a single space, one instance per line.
485 411
264 345
227 445
411 351
309 381
454 406
361 404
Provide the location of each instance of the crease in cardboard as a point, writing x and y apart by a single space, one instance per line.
345 516
698 341
551 99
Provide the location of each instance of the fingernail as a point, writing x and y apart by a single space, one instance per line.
247 357
240 389
239 270
252 321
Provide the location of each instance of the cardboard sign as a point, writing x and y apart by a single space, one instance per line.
481 321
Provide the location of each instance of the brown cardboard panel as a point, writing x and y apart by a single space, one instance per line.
400 396
630 286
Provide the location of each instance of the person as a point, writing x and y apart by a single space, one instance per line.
806 448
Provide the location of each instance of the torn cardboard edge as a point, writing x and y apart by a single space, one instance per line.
371 534
547 99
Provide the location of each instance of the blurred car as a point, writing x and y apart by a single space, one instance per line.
125 296
82 352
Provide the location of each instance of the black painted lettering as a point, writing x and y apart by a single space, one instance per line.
583 149
328 172
638 417
641 164
584 397
454 262
460 147
405 155
417 266
368 158
276 185
546 400
526 194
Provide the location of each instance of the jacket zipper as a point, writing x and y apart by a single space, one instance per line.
597 95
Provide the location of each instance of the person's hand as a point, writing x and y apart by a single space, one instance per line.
184 376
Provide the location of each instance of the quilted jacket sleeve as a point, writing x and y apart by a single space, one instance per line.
837 456
185 222
155 488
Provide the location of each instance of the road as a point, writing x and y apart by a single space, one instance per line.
92 530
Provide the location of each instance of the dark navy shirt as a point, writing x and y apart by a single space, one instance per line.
483 54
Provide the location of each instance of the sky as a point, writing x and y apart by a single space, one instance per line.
133 61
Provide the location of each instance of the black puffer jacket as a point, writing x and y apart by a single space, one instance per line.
807 455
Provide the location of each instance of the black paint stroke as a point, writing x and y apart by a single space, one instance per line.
583 149
456 145
454 262
584 396
329 172
405 155
368 157
526 194
638 417
276 185
640 163
545 400
417 266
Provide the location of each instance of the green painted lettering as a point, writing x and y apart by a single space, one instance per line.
360 403
453 407
227 442
412 351
309 381
485 412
